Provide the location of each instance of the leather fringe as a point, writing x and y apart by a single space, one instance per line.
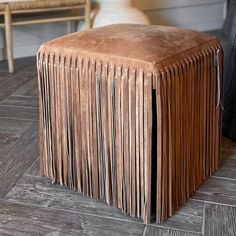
100 136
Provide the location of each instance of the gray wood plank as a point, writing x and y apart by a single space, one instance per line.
21 101
22 65
228 169
5 75
189 217
220 220
14 162
218 191
16 219
155 231
16 126
2 81
34 169
7 140
23 113
11 85
39 191
192 208
29 89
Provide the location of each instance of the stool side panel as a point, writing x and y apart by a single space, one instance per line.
188 127
86 109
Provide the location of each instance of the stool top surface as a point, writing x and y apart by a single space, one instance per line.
129 42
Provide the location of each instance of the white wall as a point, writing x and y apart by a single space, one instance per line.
200 15
27 39
195 14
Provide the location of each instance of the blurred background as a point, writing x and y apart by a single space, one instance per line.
202 15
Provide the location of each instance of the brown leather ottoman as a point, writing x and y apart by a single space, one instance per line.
131 114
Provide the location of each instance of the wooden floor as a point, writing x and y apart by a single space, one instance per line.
31 205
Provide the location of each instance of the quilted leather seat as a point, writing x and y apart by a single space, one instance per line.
42 4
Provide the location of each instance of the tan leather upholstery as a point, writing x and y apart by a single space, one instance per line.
38 4
133 44
130 111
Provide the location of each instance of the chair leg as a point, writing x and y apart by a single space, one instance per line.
9 41
88 14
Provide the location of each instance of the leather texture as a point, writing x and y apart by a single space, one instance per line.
128 114
38 4
131 44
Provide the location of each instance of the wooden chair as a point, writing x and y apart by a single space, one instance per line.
10 8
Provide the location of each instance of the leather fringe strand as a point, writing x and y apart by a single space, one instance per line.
136 140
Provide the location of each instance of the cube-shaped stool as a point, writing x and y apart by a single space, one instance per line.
131 114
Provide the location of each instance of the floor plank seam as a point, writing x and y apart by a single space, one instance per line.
25 174
186 214
5 194
214 203
14 119
22 176
43 177
24 96
172 228
10 93
18 118
203 219
16 106
2 84
224 178
145 230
